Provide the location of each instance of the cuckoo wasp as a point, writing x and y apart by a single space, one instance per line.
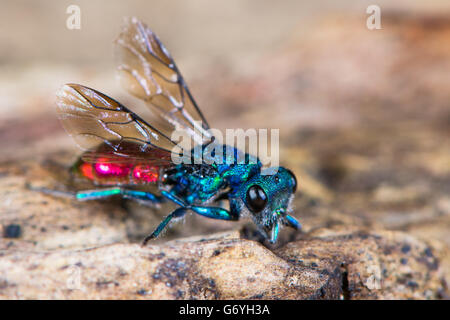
124 152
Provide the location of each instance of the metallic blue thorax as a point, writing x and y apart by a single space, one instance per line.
223 168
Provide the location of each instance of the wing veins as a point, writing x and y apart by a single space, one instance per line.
134 117
152 63
150 50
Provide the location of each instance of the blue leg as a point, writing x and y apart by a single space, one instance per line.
292 222
145 197
210 212
214 213
173 198
275 231
178 213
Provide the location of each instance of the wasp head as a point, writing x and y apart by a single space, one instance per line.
267 198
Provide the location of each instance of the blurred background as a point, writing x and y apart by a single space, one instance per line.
364 115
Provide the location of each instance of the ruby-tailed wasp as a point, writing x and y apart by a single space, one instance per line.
124 152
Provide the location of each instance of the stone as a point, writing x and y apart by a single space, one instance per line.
327 264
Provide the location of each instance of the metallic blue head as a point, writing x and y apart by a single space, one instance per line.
267 199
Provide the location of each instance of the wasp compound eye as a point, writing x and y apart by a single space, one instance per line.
256 198
294 180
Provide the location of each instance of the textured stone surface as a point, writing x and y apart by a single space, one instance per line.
331 264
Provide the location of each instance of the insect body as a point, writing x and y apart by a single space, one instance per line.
125 152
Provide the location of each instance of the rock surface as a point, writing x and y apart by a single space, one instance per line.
331 264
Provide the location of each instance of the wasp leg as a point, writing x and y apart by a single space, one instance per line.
174 198
55 193
210 212
177 213
214 213
145 197
275 231
292 222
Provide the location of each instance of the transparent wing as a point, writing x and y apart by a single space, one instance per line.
129 153
147 70
92 119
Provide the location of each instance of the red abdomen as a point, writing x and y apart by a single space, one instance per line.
128 164
107 173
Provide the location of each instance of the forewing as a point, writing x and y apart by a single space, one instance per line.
92 118
147 70
129 153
